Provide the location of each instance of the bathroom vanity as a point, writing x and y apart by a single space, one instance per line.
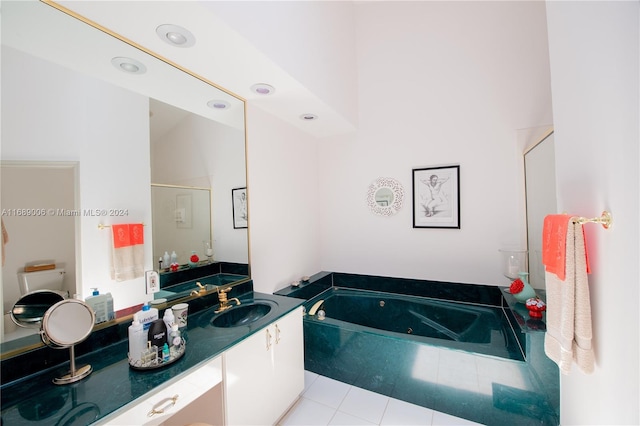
256 359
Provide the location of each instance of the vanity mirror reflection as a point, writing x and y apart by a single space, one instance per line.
64 100
540 189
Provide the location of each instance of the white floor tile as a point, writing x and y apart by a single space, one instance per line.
344 419
329 402
309 378
403 413
327 391
442 419
307 413
364 404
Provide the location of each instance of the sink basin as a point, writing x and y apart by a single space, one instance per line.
241 315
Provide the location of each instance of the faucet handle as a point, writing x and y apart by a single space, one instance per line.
224 290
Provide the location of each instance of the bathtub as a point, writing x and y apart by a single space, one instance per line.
450 347
473 328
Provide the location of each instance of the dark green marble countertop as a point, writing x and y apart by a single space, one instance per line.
35 400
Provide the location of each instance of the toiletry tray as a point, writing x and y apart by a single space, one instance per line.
176 353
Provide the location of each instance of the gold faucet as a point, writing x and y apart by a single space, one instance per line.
200 291
224 303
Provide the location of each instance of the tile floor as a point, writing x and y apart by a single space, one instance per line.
329 402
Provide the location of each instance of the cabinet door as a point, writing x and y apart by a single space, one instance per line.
248 372
264 374
289 361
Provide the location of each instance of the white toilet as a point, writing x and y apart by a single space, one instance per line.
51 279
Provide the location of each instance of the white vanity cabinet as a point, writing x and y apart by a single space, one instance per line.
197 397
264 374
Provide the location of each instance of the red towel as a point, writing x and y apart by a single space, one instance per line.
125 235
128 251
554 244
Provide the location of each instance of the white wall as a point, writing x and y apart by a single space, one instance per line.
438 83
594 54
284 202
50 113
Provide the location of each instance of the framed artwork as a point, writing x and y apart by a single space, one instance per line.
240 214
436 197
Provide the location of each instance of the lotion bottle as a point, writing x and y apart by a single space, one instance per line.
137 343
146 316
166 260
174 257
169 319
157 335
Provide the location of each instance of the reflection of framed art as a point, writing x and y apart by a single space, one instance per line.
240 215
436 197
183 211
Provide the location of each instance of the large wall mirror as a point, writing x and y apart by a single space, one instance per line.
540 183
65 101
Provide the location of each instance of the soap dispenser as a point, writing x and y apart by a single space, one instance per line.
102 305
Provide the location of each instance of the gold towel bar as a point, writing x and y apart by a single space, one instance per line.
605 220
101 226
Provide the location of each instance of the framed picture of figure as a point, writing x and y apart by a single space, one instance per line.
436 197
240 214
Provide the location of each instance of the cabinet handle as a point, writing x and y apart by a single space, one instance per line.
277 334
163 405
268 340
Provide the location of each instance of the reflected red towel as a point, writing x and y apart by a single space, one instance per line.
554 244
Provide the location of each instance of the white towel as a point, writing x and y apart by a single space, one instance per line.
568 336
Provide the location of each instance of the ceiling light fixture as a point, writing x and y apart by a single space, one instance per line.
263 89
218 104
175 35
128 65
308 117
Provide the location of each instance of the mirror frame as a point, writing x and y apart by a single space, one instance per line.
29 342
398 196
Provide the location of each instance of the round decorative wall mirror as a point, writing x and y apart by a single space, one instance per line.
385 196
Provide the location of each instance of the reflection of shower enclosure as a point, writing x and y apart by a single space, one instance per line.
181 220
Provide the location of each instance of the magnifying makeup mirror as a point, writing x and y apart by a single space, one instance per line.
64 325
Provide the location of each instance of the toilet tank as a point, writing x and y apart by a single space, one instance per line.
52 279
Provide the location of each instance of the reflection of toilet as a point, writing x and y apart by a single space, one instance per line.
52 279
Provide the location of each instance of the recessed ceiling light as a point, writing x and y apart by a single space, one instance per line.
129 65
217 104
308 117
263 89
175 35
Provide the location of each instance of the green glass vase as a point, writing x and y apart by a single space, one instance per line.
527 291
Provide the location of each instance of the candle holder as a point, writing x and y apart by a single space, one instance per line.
513 262
208 250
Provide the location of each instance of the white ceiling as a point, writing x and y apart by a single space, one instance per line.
220 55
